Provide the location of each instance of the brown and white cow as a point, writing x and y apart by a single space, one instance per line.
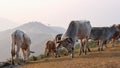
76 30
21 41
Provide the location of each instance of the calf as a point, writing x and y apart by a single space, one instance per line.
50 48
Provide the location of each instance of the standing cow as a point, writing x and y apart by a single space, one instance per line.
20 40
76 30
102 35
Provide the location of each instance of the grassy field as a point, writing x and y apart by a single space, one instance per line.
109 58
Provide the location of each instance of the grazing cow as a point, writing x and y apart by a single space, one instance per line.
50 48
58 38
21 40
103 34
76 30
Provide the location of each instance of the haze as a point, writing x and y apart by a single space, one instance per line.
59 12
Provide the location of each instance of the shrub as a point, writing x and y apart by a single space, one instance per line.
41 56
92 44
62 51
33 58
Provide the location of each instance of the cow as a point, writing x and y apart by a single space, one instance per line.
21 41
58 38
116 35
50 48
76 30
102 35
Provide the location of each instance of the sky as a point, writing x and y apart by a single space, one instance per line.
59 12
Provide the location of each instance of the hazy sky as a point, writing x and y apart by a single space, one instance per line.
59 12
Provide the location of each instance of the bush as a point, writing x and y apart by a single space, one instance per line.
91 44
33 58
77 46
62 51
41 56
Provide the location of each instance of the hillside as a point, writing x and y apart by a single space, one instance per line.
110 58
38 32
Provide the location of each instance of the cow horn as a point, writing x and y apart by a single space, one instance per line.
32 52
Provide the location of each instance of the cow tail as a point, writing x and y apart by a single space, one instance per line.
13 47
13 44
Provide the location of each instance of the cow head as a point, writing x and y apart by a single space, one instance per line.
115 28
68 44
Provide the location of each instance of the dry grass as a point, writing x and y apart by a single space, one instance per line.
110 58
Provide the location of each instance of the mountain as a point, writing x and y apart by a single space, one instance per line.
38 32
38 27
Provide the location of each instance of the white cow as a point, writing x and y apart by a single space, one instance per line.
76 30
20 40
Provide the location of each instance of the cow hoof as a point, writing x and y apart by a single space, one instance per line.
89 50
98 49
102 50
85 53
13 63
79 54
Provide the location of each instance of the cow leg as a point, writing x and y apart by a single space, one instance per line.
73 52
81 48
12 61
27 53
12 58
24 55
113 42
100 45
85 46
17 54
52 53
46 51
88 48
13 51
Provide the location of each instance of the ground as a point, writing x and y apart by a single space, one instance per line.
109 58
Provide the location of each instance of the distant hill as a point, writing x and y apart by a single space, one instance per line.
38 32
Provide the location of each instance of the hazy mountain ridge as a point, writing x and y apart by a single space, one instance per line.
38 32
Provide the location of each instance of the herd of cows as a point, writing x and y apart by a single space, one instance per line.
81 30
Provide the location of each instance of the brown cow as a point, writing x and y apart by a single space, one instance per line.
116 35
50 48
